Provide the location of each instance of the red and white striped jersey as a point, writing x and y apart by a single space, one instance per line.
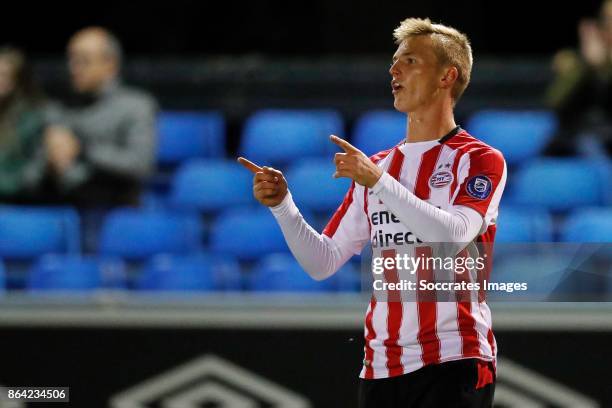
401 337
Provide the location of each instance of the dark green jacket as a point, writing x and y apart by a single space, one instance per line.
21 127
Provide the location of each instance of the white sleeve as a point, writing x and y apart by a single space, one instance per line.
461 224
320 255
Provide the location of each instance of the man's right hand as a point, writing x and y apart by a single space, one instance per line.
269 184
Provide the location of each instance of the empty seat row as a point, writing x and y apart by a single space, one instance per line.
535 224
271 136
560 184
544 273
28 232
187 135
553 276
546 269
245 233
276 272
214 185
555 184
279 136
136 235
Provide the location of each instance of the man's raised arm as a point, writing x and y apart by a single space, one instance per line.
319 255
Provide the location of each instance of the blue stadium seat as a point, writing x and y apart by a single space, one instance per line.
134 234
186 135
559 184
247 233
2 278
29 232
195 272
530 224
544 274
590 229
379 130
151 199
73 272
347 278
282 273
605 166
519 135
278 137
211 185
313 186
588 225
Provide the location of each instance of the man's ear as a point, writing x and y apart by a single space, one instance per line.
449 78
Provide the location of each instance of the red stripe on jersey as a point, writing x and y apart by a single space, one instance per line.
470 347
466 323
381 155
375 159
467 144
426 169
462 295
393 350
463 143
485 241
369 351
427 311
371 333
453 187
426 302
396 164
332 225
489 234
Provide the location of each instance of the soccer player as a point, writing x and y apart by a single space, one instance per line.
441 185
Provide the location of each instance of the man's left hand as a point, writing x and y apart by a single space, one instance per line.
354 164
62 147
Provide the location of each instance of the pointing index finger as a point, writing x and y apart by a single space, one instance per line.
346 146
249 164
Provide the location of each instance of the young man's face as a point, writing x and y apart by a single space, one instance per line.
415 73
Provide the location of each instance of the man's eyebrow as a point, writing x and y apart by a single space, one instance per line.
403 54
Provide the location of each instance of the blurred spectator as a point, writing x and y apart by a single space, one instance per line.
581 93
99 147
21 126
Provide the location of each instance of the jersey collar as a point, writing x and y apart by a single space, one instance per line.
450 134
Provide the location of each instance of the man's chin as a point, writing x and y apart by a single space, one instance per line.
81 87
401 107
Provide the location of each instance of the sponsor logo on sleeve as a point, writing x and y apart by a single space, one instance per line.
479 187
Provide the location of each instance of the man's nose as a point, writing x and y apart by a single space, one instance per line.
393 70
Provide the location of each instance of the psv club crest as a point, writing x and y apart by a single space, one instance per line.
441 179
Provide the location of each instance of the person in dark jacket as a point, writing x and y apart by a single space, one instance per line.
581 93
21 126
99 146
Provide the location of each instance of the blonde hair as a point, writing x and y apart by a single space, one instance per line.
450 46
